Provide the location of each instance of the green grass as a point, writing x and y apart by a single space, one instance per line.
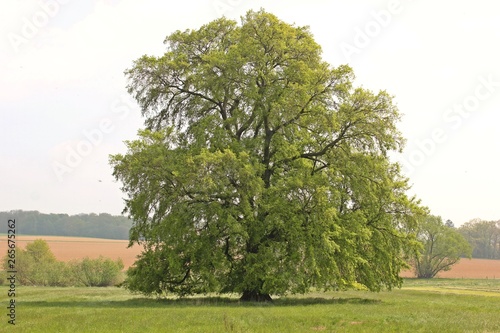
440 305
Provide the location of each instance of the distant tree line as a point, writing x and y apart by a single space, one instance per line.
82 225
484 237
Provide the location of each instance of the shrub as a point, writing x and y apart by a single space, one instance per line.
3 278
100 272
37 266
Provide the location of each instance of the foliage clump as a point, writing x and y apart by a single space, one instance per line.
442 247
36 265
99 272
484 237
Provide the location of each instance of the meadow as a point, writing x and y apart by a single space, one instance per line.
438 305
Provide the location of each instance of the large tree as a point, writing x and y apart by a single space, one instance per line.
442 247
484 236
261 169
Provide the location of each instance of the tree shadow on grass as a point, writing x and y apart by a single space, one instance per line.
198 302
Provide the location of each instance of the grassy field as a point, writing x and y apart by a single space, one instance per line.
441 305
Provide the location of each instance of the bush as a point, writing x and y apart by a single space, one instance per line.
60 275
101 272
3 278
37 266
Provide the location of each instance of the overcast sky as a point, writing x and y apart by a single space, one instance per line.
64 107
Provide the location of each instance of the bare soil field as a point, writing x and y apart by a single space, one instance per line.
469 269
69 248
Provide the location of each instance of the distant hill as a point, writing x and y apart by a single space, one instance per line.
82 225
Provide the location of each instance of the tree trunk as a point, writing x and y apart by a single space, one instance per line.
255 296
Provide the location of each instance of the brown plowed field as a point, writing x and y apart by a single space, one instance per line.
469 269
69 248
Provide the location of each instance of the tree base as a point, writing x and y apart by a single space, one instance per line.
254 296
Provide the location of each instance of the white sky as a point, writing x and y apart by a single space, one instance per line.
63 101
